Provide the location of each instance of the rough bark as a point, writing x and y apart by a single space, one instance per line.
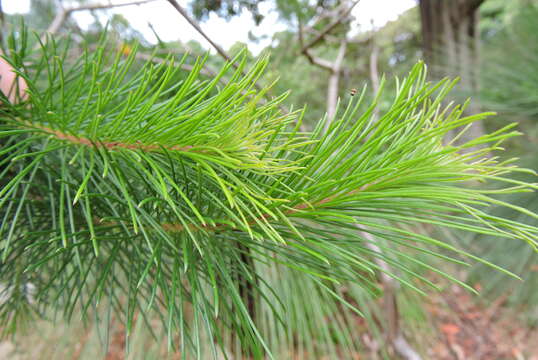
447 26
450 45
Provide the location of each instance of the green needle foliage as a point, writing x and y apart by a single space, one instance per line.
155 194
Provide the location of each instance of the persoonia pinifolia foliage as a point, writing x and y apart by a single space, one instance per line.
159 194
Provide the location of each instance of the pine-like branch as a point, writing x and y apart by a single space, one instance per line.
168 196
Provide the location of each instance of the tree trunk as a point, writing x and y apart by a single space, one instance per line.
450 45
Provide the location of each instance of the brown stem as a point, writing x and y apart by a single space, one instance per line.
151 147
245 287
110 145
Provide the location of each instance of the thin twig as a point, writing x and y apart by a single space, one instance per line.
322 63
64 14
328 28
110 145
195 25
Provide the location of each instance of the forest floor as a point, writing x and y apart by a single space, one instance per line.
468 330
464 329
